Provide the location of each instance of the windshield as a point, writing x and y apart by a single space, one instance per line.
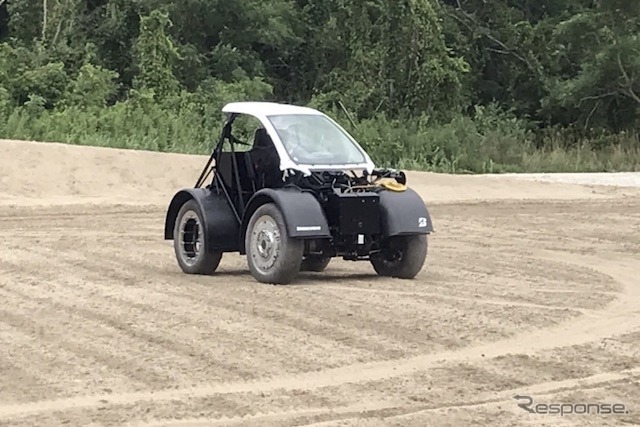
315 140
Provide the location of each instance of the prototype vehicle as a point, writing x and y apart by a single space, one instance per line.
302 192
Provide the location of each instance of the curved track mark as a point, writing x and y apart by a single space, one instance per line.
355 412
278 416
620 316
488 301
541 389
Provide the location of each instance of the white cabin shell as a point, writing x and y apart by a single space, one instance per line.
262 110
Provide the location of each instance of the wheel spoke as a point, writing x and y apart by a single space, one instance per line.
190 238
265 243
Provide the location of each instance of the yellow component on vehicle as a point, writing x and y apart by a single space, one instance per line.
393 185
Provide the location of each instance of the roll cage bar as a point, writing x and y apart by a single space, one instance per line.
215 155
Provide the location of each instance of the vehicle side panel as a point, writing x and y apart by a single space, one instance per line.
404 213
221 227
301 211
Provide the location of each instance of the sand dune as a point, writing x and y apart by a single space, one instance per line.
39 173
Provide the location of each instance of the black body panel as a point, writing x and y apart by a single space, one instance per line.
404 213
221 226
301 210
355 213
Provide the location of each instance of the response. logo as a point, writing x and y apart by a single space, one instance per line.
562 409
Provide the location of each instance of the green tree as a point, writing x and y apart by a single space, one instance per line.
155 56
381 56
93 87
25 19
598 56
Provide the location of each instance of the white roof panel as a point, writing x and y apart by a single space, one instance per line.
262 111
266 109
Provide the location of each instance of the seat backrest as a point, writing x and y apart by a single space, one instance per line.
262 139
263 153
265 160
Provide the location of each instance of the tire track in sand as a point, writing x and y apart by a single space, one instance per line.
487 301
621 316
539 390
399 408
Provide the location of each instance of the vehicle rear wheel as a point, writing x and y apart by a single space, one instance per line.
401 256
315 263
272 255
190 244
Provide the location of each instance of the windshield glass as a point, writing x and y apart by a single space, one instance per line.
315 140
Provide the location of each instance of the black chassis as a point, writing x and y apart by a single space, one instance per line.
336 213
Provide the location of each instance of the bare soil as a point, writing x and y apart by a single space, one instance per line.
530 289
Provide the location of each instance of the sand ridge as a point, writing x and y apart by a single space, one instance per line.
33 173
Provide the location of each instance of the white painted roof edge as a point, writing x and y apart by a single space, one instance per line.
261 109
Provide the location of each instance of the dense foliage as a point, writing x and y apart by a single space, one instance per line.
454 85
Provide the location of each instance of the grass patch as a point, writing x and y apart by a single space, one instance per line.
489 142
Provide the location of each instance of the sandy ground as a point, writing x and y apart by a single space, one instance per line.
531 288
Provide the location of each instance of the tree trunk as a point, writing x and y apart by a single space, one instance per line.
44 19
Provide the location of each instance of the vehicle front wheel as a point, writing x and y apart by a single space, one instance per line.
315 263
190 244
272 255
401 256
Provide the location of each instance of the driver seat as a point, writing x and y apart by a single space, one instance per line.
265 160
